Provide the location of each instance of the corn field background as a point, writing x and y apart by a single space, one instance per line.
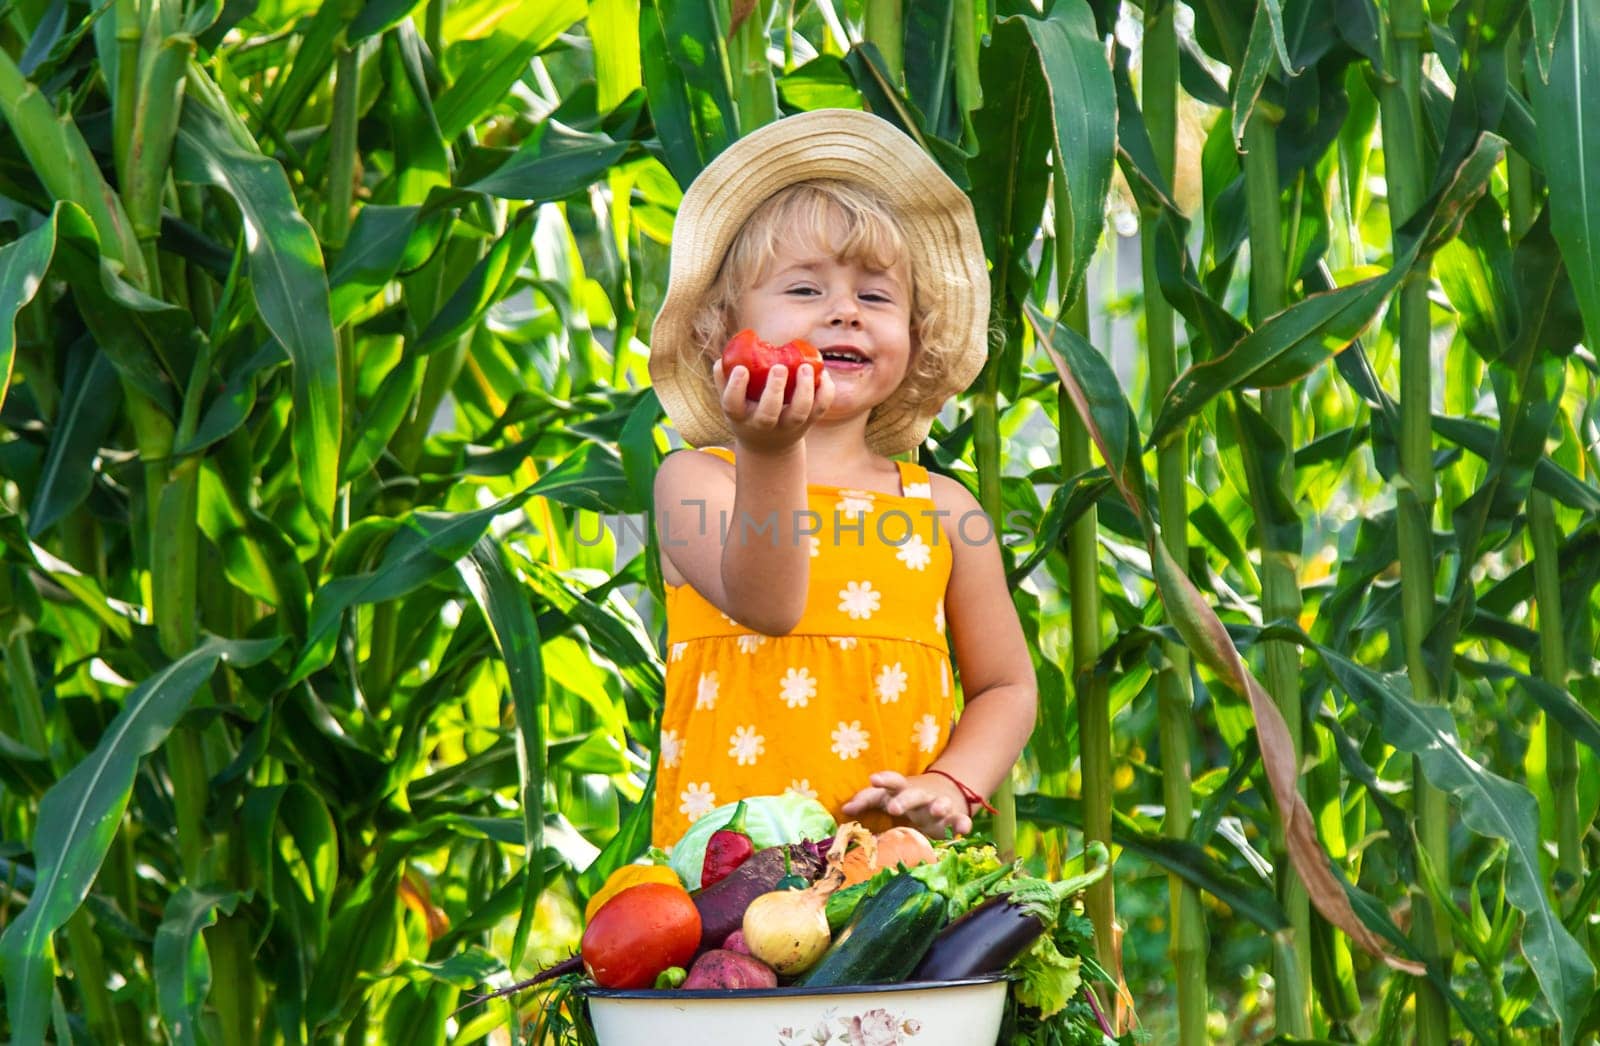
327 600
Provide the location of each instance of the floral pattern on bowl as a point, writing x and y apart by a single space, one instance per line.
875 1027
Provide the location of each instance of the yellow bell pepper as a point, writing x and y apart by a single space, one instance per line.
624 877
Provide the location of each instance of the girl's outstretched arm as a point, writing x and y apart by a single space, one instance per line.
997 679
733 531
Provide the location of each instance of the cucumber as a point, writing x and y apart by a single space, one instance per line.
842 905
884 942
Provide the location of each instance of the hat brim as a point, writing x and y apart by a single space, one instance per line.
846 145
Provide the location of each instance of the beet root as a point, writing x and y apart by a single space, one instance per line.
720 968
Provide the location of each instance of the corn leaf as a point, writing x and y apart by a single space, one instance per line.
1490 806
294 854
1568 111
508 35
1083 106
614 29
23 264
183 966
1292 343
928 55
1263 51
78 819
90 399
289 284
1191 862
423 546
1548 17
1107 412
309 70
686 79
505 607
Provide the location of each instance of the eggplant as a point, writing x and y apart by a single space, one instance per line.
983 941
722 904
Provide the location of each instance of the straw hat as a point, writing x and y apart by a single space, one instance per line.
947 259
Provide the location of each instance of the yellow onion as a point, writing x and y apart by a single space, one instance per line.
788 929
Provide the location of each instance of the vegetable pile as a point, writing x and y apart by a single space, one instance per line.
845 908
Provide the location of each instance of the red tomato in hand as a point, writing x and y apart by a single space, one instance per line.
640 932
748 351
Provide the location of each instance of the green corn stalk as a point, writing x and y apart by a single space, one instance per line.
1187 939
969 90
88 959
342 148
1399 100
986 442
1091 691
1280 595
755 91
130 34
885 29
1333 973
1561 752
155 125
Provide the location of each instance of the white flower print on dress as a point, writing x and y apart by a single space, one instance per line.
677 651
816 546
697 800
925 735
918 490
915 553
706 692
802 786
859 600
797 688
746 746
749 644
855 503
938 618
944 679
849 740
671 748
843 642
890 683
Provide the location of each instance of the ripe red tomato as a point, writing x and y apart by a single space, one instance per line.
748 351
640 932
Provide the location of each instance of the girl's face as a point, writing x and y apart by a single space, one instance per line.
858 318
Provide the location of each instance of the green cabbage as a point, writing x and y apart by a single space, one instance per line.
771 820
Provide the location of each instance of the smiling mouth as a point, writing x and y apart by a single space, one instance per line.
844 356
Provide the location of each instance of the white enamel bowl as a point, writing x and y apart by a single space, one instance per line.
915 1013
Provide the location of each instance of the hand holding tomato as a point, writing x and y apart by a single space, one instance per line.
756 356
779 415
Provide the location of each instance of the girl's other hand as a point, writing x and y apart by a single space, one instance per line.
929 802
768 423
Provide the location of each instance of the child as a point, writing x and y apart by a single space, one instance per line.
810 577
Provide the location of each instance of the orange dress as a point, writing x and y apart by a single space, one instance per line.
862 683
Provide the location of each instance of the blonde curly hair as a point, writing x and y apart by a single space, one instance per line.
858 228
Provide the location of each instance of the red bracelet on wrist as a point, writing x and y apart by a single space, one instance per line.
972 798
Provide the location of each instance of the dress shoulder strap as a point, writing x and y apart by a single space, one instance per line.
914 480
